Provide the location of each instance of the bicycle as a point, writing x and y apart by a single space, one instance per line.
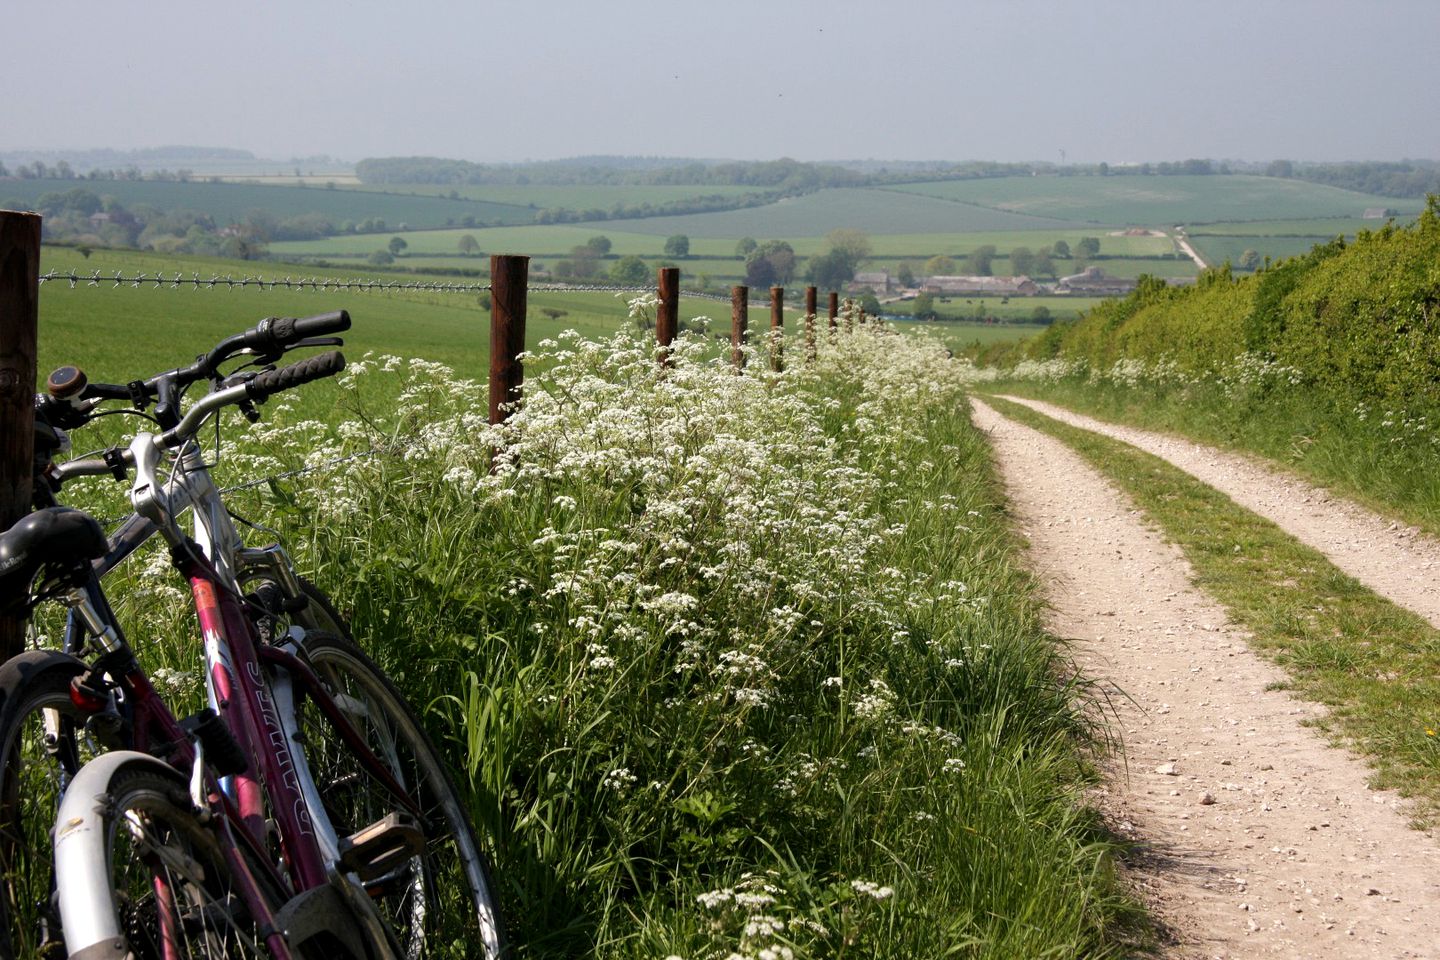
291 857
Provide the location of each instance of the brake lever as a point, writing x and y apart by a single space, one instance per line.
317 342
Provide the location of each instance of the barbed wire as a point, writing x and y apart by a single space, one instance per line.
195 281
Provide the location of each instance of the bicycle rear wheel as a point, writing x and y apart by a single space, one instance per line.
43 743
440 902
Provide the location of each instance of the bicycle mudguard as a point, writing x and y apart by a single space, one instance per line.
81 860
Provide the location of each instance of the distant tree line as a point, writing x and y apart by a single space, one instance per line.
1408 178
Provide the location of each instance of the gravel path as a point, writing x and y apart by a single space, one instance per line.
1395 560
1258 839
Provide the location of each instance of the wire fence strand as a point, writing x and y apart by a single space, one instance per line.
194 281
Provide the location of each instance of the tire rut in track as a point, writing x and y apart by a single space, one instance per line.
1256 838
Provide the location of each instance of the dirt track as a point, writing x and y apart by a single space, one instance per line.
1260 840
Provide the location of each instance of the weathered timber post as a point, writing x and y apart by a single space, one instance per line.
834 310
509 279
667 312
19 318
810 317
777 328
849 315
739 324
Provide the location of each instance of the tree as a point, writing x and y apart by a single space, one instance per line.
1088 247
924 307
853 245
584 261
870 303
939 266
1022 261
397 245
554 313
381 258
1250 260
1040 315
905 275
980 259
781 258
1280 168
677 246
743 248
830 271
1104 169
1043 265
600 245
1061 249
759 272
469 246
629 269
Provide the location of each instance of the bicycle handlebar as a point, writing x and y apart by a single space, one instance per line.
257 388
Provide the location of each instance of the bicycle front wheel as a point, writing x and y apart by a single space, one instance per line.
165 888
441 901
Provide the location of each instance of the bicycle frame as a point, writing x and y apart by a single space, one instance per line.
278 786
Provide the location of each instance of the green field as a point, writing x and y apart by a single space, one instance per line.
1217 249
1014 309
557 240
536 241
232 202
567 196
1323 228
1158 201
99 327
815 214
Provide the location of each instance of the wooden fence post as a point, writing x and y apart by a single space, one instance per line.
667 313
19 318
834 310
777 328
810 316
739 324
849 315
509 279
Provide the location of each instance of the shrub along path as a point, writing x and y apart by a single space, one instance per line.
1254 837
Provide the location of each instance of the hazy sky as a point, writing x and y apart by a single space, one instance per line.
1114 80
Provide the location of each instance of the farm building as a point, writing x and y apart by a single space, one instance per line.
876 281
1092 282
982 286
1377 213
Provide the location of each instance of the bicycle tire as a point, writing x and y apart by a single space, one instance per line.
452 860
33 776
166 883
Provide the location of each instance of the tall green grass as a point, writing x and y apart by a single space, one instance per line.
727 664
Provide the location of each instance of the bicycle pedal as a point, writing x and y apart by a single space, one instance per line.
381 847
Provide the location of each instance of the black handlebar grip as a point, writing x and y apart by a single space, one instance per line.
311 368
277 333
65 383
336 321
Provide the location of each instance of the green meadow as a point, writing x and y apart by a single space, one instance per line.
1158 201
233 202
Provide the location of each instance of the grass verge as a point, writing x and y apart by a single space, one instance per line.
1372 663
730 666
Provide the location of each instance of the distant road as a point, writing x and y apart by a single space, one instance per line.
1189 251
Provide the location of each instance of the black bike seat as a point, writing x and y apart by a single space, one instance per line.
55 535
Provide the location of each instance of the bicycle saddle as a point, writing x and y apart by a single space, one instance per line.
55 536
